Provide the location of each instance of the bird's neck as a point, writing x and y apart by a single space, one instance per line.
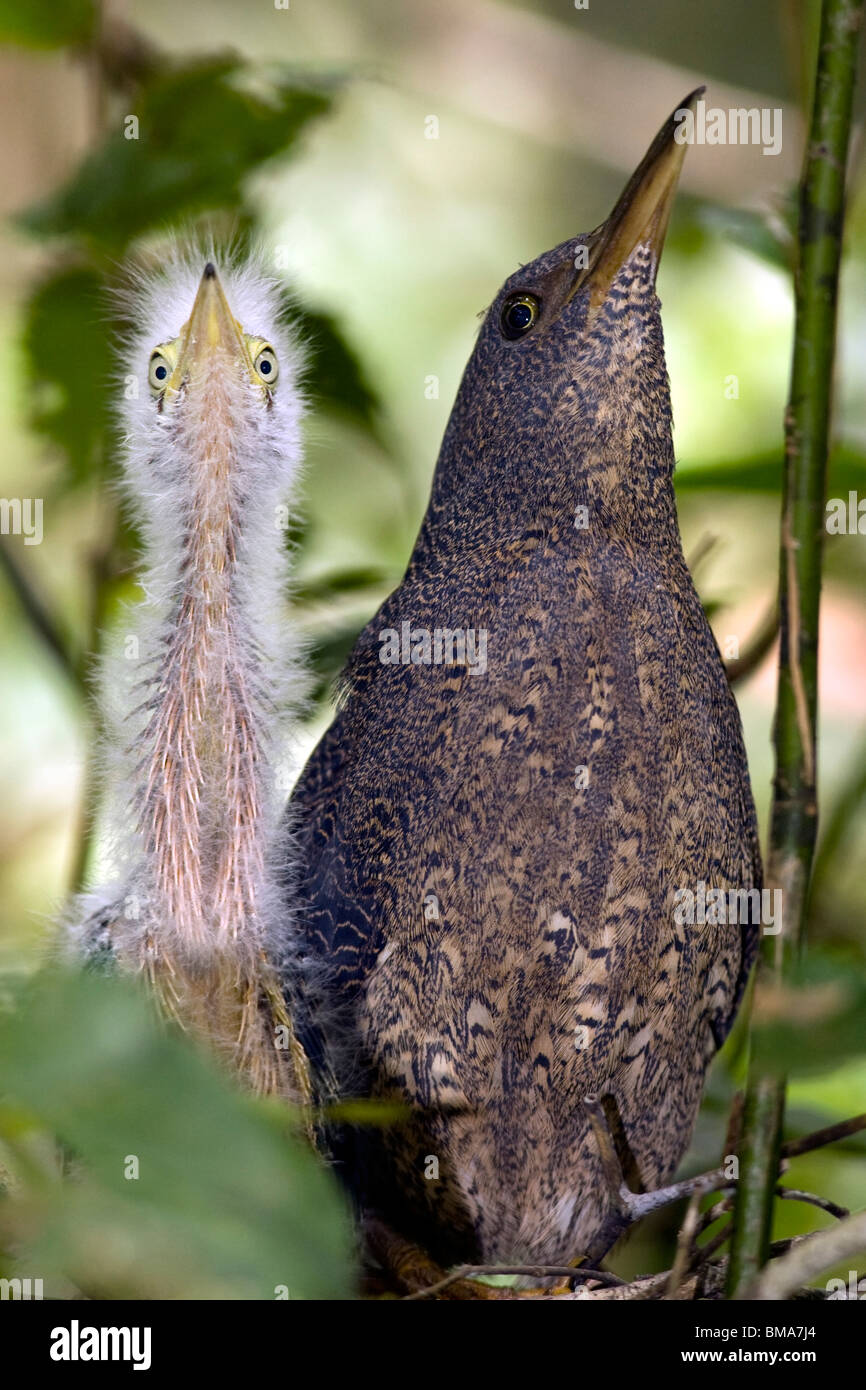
585 451
205 812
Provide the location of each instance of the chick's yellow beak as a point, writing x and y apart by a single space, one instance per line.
210 330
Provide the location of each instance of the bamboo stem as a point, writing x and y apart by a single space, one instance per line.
794 818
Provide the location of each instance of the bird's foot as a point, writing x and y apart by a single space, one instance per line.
626 1205
407 1271
565 1283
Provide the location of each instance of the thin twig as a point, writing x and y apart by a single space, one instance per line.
831 1134
810 1257
685 1245
706 1282
740 668
40 618
705 545
796 1194
715 1213
598 1276
706 1252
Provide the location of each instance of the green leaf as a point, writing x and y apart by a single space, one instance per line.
341 582
35 24
763 473
183 1187
336 376
770 239
199 131
68 359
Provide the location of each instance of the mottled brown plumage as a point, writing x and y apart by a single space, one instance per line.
498 922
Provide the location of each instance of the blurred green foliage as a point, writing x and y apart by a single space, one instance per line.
205 130
761 474
63 337
47 26
179 1187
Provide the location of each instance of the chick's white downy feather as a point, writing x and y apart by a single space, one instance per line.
211 456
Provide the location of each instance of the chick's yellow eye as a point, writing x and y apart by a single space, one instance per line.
158 372
265 363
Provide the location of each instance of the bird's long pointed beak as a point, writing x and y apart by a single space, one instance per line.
642 213
211 327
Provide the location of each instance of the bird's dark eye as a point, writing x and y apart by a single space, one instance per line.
267 366
519 313
158 372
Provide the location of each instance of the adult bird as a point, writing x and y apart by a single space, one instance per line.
535 755
210 416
